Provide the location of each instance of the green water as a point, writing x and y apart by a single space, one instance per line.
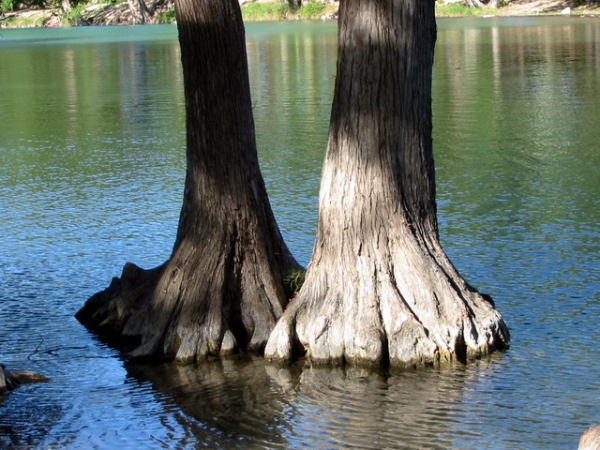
92 135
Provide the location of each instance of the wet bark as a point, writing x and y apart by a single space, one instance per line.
10 380
379 288
222 290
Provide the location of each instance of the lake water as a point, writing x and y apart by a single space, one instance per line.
92 136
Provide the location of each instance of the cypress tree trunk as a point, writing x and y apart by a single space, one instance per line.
139 11
379 288
222 289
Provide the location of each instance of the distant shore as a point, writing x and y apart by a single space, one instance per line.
119 14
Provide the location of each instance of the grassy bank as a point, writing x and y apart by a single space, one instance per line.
281 11
532 8
317 10
116 12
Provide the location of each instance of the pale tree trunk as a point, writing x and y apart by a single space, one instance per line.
474 3
139 11
590 440
379 288
222 290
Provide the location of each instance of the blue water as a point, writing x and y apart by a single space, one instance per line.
91 176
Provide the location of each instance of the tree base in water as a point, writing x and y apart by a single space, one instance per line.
12 380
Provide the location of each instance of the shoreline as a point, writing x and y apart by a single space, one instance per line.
120 14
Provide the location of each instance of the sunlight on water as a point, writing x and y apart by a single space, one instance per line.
91 175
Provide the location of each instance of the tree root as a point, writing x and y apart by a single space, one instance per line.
10 380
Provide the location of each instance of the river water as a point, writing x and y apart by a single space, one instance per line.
92 136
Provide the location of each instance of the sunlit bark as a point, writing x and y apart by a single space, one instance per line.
379 288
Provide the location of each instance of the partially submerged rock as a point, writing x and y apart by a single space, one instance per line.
12 380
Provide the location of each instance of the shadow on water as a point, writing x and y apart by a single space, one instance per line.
247 403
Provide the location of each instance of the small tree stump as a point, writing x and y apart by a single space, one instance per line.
590 440
12 380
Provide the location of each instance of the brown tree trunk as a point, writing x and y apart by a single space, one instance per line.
379 288
223 287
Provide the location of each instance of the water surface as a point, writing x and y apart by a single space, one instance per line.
91 173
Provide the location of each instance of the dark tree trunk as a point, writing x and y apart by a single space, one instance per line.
223 287
379 288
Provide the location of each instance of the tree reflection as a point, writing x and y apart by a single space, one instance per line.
245 403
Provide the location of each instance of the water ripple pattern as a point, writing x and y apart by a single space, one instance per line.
92 163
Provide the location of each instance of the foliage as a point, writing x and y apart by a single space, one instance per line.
73 15
294 280
265 11
311 10
166 17
9 5
460 10
6 5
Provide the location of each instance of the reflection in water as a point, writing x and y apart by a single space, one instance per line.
247 404
91 172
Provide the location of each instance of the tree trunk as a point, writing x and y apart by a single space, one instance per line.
139 11
379 288
590 440
223 287
474 3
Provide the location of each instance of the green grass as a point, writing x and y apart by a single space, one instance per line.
23 22
265 11
73 15
459 10
310 11
166 17
293 280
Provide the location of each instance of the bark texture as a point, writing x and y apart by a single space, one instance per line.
139 11
379 288
222 289
590 440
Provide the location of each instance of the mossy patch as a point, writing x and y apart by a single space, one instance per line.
294 280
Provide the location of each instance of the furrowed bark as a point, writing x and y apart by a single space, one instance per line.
379 288
223 289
